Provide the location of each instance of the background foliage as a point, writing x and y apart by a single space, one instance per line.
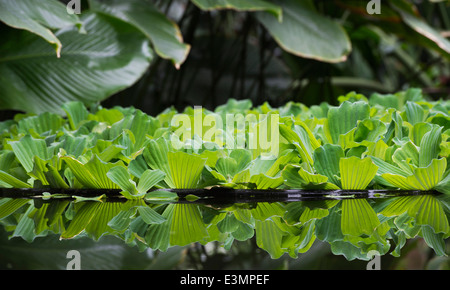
203 53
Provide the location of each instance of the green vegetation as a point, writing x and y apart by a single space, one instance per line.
106 100
383 142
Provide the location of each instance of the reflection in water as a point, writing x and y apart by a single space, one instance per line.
353 227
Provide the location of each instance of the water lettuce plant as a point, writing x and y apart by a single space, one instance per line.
392 142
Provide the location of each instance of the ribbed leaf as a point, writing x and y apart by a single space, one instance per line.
358 218
435 241
297 177
150 216
429 146
149 179
156 156
98 226
12 181
228 224
111 56
93 174
269 237
414 113
28 147
406 157
344 118
38 18
186 225
185 169
81 220
44 123
76 113
326 161
120 176
422 179
385 167
265 210
241 5
356 173
299 137
164 34
306 33
263 181
226 166
427 210
9 206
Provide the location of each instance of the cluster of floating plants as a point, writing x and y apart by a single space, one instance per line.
118 171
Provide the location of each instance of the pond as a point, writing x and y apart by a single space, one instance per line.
356 224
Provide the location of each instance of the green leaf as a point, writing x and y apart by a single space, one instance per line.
269 237
110 57
28 147
47 123
9 206
38 18
407 157
120 176
185 169
262 181
422 27
444 185
241 5
423 178
385 100
228 224
149 179
226 166
429 146
297 178
150 216
186 224
164 34
425 209
93 174
99 224
358 218
306 33
161 195
25 227
12 181
344 118
385 167
81 220
326 161
435 241
156 156
356 173
76 113
414 113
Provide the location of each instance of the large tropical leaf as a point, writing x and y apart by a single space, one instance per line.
111 56
419 25
306 33
164 34
241 5
39 18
